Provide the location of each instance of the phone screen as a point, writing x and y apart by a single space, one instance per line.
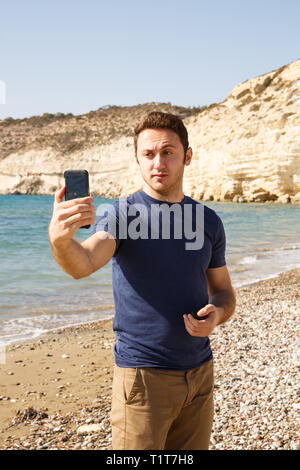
77 184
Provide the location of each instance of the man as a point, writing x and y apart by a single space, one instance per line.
163 376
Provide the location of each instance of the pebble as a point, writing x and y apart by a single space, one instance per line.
89 420
256 376
58 429
296 446
89 428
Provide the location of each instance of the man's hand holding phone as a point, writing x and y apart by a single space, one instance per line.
69 216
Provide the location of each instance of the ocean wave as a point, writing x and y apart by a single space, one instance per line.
263 277
251 259
27 328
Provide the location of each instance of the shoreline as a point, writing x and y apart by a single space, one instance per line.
285 202
61 380
83 324
268 277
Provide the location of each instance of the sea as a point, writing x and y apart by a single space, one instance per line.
36 296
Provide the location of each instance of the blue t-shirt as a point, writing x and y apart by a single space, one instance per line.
158 275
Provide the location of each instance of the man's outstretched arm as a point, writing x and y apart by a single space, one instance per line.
77 259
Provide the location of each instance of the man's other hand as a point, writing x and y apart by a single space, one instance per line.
205 327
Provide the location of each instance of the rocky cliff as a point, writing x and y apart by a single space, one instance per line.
246 149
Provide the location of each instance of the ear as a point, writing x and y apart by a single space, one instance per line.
188 157
135 156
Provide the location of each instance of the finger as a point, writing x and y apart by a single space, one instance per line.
203 312
79 200
203 316
205 323
198 327
201 332
193 321
77 218
87 209
59 194
192 326
83 222
187 326
192 330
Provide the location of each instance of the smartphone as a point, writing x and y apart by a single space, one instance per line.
77 185
194 314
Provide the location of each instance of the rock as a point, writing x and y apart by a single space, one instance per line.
296 406
87 428
284 199
89 420
58 429
296 198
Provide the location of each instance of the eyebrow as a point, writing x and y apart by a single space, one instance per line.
164 146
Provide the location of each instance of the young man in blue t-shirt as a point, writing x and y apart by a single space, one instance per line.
168 260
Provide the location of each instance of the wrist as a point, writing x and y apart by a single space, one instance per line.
220 311
59 243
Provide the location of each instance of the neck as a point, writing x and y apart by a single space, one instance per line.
174 195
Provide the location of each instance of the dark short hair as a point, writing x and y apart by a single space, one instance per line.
160 120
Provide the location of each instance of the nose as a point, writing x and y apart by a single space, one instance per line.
158 161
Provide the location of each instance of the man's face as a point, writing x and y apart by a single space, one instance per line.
160 155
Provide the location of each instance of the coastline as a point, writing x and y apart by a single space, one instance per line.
63 379
286 199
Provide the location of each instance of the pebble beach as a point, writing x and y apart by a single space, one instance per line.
55 391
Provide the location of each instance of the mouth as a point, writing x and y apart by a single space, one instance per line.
160 176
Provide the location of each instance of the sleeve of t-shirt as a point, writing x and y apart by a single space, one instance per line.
218 249
108 221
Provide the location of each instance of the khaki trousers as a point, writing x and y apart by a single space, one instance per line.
162 409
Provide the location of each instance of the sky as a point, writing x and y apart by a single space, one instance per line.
74 56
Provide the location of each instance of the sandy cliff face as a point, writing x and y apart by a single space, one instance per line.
246 148
35 152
